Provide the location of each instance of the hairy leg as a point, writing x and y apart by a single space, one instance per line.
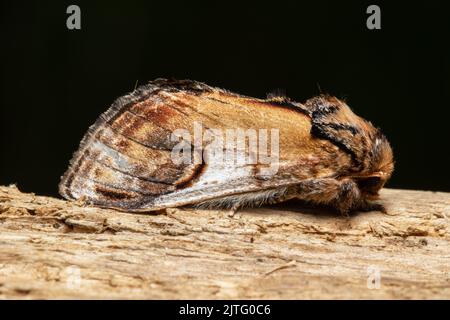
344 195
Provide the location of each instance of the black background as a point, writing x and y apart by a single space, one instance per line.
55 82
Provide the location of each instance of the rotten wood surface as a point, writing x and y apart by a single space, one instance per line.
50 248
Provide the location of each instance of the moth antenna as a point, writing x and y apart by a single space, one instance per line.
318 87
136 84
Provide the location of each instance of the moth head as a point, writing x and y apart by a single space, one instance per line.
381 167
369 150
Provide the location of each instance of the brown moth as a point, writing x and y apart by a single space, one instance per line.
320 152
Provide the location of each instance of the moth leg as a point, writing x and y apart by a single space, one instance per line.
344 195
348 197
371 206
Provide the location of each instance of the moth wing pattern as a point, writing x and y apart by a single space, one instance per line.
124 160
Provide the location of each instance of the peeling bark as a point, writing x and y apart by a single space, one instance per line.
50 248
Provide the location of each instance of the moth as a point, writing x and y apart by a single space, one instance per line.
140 155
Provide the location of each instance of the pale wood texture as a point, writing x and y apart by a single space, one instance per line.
284 251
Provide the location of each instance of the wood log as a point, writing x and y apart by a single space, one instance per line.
50 248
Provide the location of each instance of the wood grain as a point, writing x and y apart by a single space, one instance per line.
50 248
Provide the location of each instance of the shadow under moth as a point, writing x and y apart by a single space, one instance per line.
174 143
